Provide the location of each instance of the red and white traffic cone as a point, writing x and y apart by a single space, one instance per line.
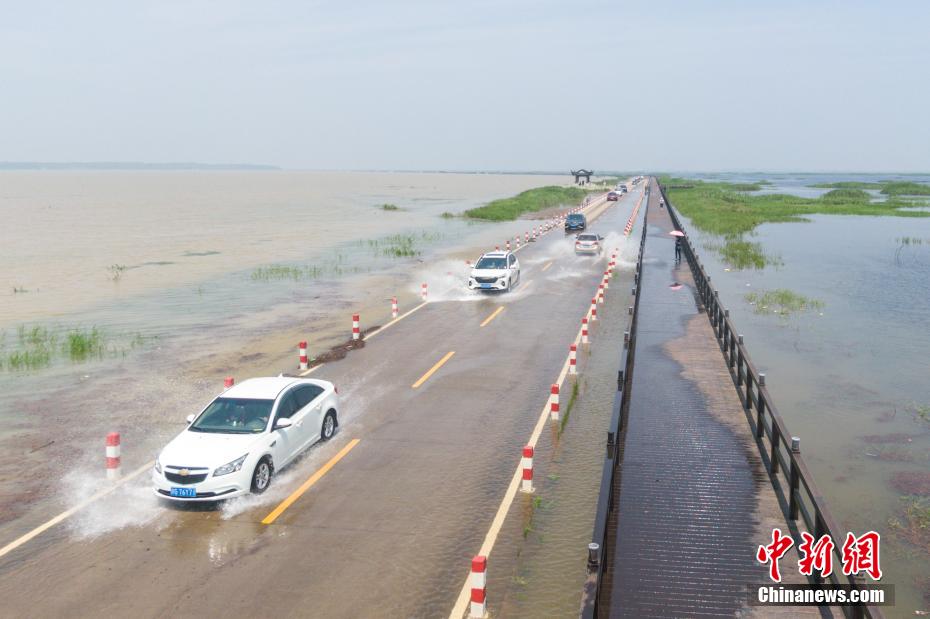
508 245
113 456
303 361
526 238
573 359
355 331
584 330
554 403
516 241
228 382
393 307
593 309
606 278
527 464
479 587
600 293
423 291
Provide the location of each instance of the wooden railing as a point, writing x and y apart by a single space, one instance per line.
780 451
605 501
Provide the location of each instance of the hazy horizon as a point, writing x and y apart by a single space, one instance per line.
822 86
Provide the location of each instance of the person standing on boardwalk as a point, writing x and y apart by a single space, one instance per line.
677 249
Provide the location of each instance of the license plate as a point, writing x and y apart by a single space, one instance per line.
486 285
189 493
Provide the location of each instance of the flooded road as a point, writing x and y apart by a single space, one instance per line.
403 511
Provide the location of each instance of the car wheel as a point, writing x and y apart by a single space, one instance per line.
261 478
509 284
329 426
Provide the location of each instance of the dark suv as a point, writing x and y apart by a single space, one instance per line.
575 222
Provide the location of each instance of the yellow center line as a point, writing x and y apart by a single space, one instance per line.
492 316
548 264
433 369
270 518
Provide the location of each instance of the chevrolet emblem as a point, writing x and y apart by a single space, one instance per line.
184 472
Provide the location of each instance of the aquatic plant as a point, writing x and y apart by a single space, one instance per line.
913 524
116 271
82 344
19 290
846 195
568 409
848 185
389 207
905 188
447 215
781 301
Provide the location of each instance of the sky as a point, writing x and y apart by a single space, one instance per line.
656 85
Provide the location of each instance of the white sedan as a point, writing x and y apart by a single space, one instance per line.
236 443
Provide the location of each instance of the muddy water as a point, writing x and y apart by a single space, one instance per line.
187 309
848 378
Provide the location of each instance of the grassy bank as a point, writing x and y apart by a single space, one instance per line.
539 199
732 211
781 301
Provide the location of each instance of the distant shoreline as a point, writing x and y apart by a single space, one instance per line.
130 165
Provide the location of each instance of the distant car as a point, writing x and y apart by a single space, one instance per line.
235 445
613 196
624 189
496 270
588 243
576 222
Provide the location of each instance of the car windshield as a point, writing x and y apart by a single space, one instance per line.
234 416
491 263
587 237
575 217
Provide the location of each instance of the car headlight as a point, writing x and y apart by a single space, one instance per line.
158 464
230 467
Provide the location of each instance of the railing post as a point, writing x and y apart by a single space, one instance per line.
760 415
776 439
739 360
795 479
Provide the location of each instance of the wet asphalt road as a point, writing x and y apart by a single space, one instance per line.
390 529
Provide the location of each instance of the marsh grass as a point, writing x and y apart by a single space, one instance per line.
389 207
19 290
905 188
781 301
568 409
913 524
447 215
38 346
81 345
718 209
532 200
848 185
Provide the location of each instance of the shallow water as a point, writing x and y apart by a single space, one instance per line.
848 376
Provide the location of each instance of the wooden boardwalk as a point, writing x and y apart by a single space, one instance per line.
694 500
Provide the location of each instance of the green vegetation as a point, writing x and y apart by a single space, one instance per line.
913 525
389 207
568 409
846 195
848 185
719 209
889 188
82 345
541 198
37 347
781 301
902 188
282 271
19 290
447 215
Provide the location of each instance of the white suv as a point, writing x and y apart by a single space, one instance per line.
496 270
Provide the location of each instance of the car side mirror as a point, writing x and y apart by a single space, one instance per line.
190 419
284 422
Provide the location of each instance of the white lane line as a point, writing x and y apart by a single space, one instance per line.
67 514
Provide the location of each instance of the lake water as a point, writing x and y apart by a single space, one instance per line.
851 378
